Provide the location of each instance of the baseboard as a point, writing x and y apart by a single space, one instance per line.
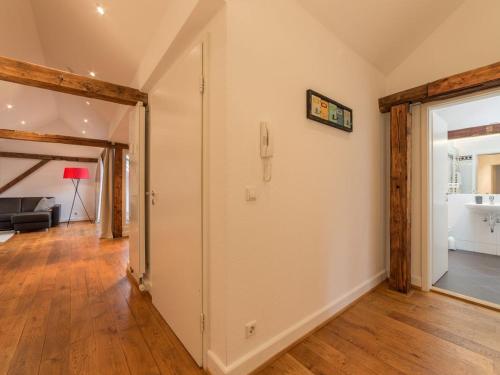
416 281
277 344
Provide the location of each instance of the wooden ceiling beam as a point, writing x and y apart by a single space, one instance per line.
471 81
43 77
475 131
20 135
23 175
20 155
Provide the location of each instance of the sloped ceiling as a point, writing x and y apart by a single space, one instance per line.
71 35
383 32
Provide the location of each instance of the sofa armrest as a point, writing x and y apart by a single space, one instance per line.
56 215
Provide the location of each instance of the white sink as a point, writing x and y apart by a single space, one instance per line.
485 208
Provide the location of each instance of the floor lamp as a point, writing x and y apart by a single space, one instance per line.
76 174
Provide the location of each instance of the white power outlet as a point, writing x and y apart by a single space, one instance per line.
250 329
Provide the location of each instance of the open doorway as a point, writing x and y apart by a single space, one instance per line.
464 208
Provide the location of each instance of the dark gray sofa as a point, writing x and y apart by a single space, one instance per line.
18 214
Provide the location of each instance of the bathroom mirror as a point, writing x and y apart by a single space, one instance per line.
488 174
460 173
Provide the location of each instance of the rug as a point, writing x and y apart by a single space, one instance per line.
5 236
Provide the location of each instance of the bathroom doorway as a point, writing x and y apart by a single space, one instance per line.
464 197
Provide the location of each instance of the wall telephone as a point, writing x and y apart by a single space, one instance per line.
266 150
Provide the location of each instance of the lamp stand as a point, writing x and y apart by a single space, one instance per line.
74 198
81 200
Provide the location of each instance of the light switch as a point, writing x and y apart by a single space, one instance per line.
251 194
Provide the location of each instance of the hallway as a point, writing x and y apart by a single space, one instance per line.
67 307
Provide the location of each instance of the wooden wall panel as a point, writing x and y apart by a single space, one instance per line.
400 199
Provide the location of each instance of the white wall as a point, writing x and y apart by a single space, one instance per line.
314 238
467 39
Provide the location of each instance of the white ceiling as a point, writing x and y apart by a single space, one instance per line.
474 113
384 32
71 35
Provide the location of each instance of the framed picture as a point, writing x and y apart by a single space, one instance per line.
329 112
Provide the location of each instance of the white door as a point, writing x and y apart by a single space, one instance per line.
137 221
439 197
176 199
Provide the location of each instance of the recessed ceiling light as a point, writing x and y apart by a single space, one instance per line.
84 132
9 106
23 122
87 102
92 74
100 9
85 120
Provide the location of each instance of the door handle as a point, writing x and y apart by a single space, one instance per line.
153 197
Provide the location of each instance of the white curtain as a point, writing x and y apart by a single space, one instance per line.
106 207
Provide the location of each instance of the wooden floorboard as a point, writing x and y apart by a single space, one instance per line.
68 307
386 332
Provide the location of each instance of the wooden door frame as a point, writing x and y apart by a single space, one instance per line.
457 85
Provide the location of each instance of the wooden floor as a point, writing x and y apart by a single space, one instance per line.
67 307
389 333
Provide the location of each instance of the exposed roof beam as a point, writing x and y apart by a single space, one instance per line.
43 77
475 131
23 175
20 155
20 135
473 80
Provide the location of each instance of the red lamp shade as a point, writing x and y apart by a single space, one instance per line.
76 173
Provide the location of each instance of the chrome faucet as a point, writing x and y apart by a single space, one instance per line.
492 199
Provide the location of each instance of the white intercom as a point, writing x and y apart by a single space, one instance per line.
266 150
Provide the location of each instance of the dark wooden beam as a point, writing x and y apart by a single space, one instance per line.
471 81
23 175
400 204
480 78
20 155
408 96
474 131
54 138
43 77
117 223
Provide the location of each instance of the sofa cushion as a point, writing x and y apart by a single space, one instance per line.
45 204
31 217
8 205
6 217
28 204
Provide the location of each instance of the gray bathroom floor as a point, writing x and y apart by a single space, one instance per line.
472 274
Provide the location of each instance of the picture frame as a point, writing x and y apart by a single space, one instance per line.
329 112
